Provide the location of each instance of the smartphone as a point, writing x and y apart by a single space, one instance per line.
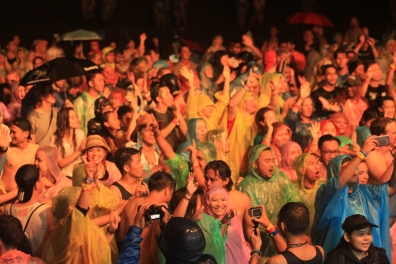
255 212
383 141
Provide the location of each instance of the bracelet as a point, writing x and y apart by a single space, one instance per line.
274 233
255 251
271 226
297 106
363 153
88 180
224 222
360 155
188 199
157 135
3 150
174 121
110 232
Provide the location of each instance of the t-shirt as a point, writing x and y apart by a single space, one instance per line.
69 149
366 55
374 95
43 126
320 112
341 79
166 119
38 223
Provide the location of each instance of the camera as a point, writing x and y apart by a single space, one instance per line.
154 212
255 212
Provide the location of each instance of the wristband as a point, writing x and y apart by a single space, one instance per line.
174 121
274 233
360 155
184 197
363 153
157 135
297 106
87 187
88 180
224 222
255 251
271 226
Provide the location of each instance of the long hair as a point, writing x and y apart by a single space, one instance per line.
62 128
105 132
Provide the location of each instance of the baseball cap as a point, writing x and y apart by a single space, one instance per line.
353 81
23 124
356 222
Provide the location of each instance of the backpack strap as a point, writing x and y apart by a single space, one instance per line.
30 216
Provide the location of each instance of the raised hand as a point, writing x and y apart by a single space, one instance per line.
369 145
141 189
188 74
255 240
362 38
315 131
139 220
143 37
325 103
193 151
226 73
252 80
301 79
247 41
154 125
113 222
90 168
191 187
4 138
263 219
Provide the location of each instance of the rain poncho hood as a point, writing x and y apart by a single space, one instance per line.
265 94
208 86
273 193
333 204
215 189
307 196
362 133
190 136
345 141
286 165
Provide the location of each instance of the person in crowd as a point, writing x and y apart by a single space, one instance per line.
43 117
128 162
293 221
289 152
262 185
387 107
343 184
32 213
101 106
11 236
365 49
354 32
161 187
68 140
356 245
95 153
219 137
206 82
15 105
196 130
329 147
328 91
74 86
84 104
341 123
341 61
52 178
280 135
263 120
185 56
372 89
111 131
13 151
363 130
307 167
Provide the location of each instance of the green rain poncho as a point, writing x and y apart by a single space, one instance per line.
307 196
272 193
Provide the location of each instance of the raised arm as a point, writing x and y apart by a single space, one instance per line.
348 171
389 79
248 42
165 147
4 141
191 187
392 181
141 48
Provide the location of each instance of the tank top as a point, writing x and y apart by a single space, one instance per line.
292 259
124 193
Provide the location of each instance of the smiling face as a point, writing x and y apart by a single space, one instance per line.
388 108
148 136
265 164
201 130
41 163
342 124
307 107
96 155
360 240
218 205
74 122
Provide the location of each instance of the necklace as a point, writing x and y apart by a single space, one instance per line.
297 245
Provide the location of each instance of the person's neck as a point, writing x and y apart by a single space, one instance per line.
161 108
329 87
185 62
33 199
147 147
350 187
305 119
355 98
374 83
23 145
343 71
359 254
156 197
112 131
44 107
309 184
69 133
131 180
92 92
298 239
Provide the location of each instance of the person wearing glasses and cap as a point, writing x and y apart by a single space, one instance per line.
18 152
356 245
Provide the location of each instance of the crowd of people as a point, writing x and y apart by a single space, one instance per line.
278 154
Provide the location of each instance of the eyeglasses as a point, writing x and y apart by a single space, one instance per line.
329 152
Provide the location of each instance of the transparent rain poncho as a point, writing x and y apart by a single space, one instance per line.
272 193
333 205
307 196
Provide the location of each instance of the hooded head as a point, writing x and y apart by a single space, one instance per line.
51 159
214 190
253 156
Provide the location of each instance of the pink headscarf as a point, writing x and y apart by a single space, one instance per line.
51 158
215 189
286 165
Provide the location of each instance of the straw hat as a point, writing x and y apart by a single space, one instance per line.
96 141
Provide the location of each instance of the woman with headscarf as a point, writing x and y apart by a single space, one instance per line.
15 105
341 122
202 106
53 179
215 222
289 151
207 85
307 167
196 130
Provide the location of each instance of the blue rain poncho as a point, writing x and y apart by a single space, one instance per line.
333 205
272 193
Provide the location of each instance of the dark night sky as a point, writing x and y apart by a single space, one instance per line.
41 18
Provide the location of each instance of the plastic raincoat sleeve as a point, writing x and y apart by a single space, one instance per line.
130 253
78 106
179 170
218 116
215 243
192 106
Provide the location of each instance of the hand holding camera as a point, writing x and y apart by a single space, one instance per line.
259 216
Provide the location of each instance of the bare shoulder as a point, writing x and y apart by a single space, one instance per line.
241 197
278 259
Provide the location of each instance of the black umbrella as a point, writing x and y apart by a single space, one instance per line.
87 65
57 69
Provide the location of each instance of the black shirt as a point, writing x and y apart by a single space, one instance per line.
374 95
321 113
